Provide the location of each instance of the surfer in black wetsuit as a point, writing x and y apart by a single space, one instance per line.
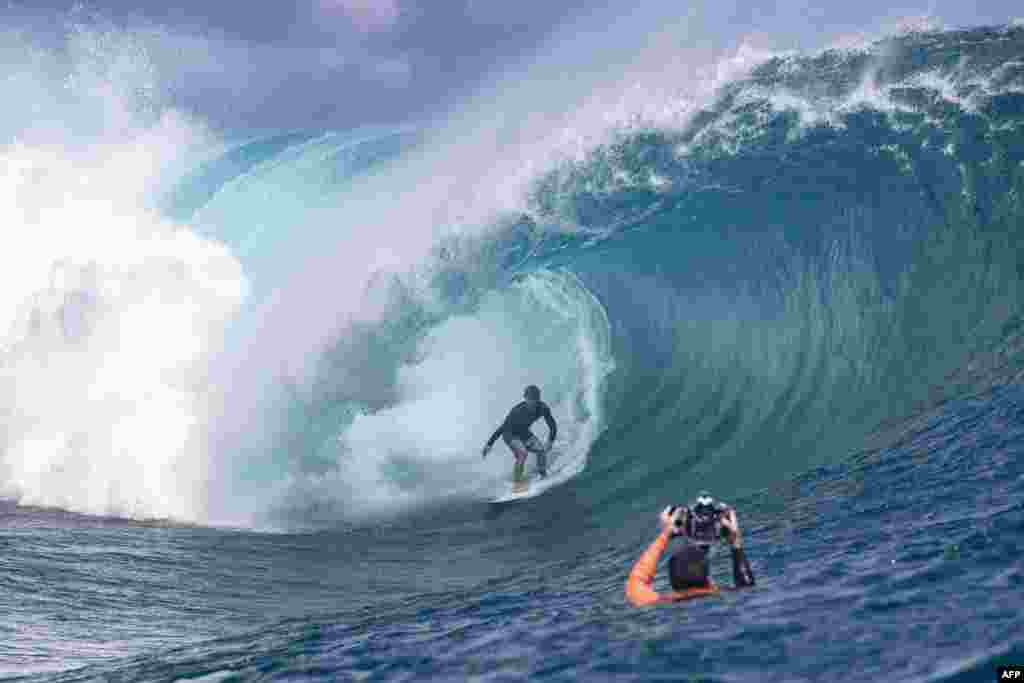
515 430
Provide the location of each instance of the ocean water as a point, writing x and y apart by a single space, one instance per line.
243 408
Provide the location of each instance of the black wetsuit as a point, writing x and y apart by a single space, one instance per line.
520 419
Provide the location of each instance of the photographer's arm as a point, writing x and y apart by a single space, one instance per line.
742 574
639 586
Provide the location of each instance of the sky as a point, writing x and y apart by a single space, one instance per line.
343 63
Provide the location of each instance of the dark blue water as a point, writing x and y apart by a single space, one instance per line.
808 299
900 562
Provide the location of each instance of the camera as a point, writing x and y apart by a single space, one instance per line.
703 521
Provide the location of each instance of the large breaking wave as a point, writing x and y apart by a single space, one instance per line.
721 297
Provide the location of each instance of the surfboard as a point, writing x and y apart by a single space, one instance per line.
534 484
515 490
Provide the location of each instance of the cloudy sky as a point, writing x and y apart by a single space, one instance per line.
281 63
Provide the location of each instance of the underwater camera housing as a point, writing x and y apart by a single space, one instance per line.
703 521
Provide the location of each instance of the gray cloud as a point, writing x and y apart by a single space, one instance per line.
339 63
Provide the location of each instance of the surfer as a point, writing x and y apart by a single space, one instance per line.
688 568
515 431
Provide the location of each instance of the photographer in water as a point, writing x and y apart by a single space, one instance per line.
702 524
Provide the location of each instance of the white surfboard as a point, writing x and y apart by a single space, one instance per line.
560 470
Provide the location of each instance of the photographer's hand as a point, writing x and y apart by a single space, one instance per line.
732 525
668 519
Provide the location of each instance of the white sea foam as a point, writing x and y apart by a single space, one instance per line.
108 310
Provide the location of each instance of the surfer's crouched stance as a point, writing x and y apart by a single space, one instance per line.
515 430
688 568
